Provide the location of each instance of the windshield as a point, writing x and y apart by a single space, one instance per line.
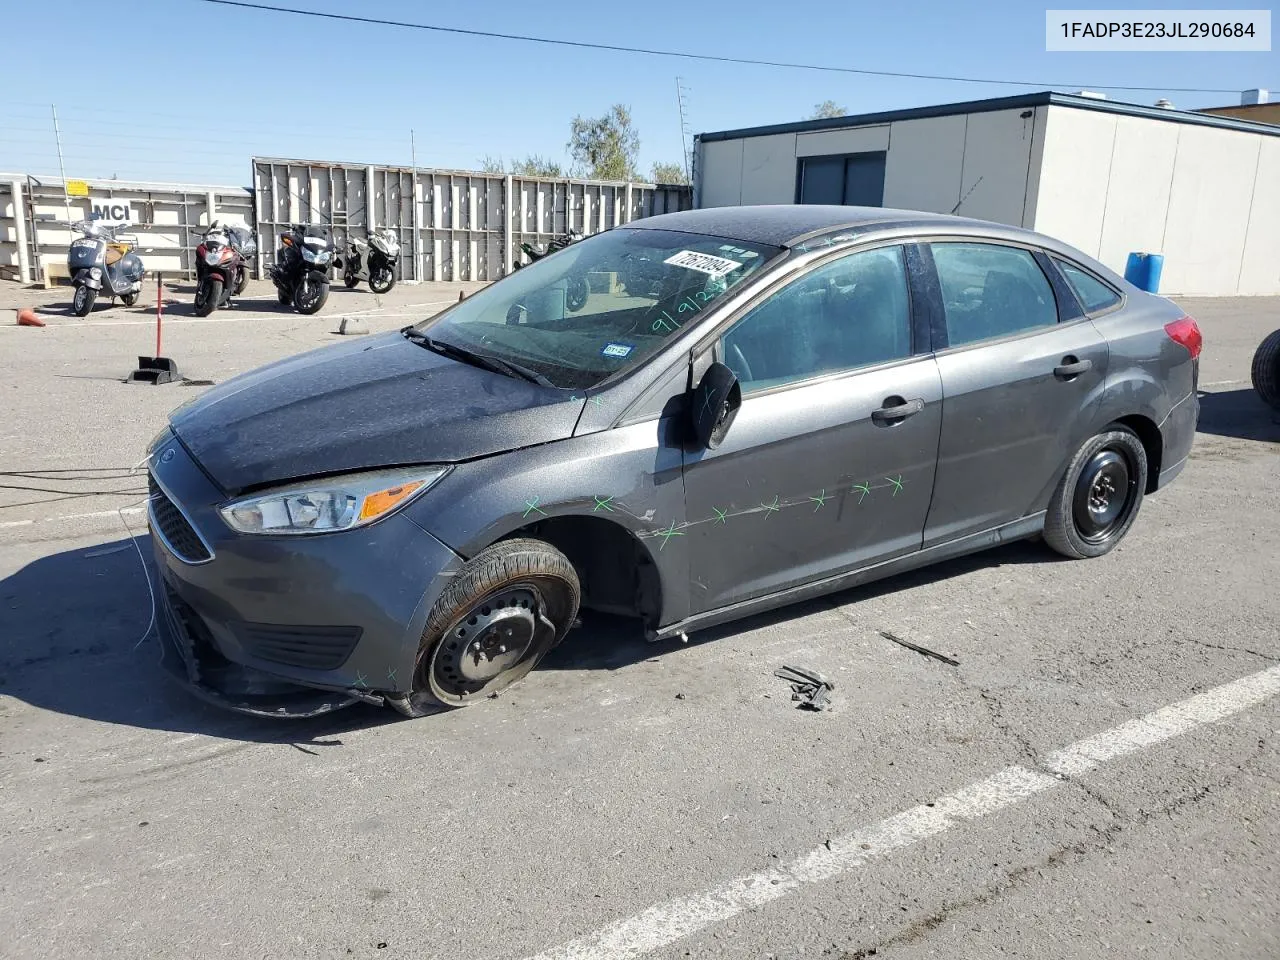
600 305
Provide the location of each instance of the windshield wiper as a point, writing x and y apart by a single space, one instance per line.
482 360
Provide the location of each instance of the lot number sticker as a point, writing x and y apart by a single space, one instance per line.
712 266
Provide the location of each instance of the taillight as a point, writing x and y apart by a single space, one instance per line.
1185 332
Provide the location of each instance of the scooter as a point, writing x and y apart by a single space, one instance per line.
301 270
577 292
222 266
100 261
373 260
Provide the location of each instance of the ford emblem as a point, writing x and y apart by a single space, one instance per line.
167 455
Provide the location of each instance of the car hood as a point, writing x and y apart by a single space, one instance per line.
383 401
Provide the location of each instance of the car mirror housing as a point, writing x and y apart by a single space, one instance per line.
716 400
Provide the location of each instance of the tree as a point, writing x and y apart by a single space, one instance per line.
668 173
827 109
492 165
605 147
536 166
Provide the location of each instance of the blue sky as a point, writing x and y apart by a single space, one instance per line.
187 91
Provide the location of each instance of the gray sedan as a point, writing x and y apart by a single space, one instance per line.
688 419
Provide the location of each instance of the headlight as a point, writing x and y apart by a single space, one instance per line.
315 256
96 273
215 256
324 506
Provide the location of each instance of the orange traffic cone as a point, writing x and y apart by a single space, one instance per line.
28 318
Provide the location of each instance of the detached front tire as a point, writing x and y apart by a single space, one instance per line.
1099 495
497 619
1265 372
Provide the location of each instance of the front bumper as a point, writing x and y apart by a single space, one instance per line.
286 626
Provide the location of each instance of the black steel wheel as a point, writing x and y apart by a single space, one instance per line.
1265 371
1099 495
82 301
382 279
509 605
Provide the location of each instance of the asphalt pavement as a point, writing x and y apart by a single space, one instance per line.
1098 775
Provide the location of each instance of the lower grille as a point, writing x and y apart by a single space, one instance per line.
179 536
316 648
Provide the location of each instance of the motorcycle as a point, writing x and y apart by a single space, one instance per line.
577 292
301 270
101 261
373 260
222 266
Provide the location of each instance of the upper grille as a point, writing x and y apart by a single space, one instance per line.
318 648
179 536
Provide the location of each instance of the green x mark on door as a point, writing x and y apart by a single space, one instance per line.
668 533
531 506
602 503
897 483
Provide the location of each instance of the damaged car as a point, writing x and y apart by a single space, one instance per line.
752 406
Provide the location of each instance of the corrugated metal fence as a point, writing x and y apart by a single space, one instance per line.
452 225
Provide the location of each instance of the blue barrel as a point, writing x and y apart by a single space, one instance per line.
1143 270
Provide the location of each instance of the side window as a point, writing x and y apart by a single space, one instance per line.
849 313
1093 293
992 291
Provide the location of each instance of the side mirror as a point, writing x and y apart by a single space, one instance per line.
716 400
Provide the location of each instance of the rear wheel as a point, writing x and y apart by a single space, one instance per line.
208 295
242 281
350 279
1098 497
498 617
82 301
1266 370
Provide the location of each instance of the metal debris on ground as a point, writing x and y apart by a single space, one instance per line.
811 690
919 649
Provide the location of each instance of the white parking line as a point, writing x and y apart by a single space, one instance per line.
127 511
666 923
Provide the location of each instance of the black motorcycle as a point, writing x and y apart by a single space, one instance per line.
577 292
102 262
301 270
222 266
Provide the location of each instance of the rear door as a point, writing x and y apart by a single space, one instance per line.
829 464
1022 369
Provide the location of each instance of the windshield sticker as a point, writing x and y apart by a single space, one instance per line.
618 350
706 263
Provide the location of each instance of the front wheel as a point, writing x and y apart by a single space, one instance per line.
82 302
311 294
382 279
1098 497
1265 372
208 295
498 617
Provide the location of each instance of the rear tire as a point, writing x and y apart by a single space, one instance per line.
1265 372
1098 498
513 602
82 301
350 279
242 281
208 295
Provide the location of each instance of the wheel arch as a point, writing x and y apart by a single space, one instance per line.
616 570
1152 442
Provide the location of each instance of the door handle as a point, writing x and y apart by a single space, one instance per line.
896 409
1070 368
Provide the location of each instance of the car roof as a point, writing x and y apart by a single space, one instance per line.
791 225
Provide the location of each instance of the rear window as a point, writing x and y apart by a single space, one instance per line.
1094 294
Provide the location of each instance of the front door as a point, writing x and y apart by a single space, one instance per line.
830 462
1020 378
